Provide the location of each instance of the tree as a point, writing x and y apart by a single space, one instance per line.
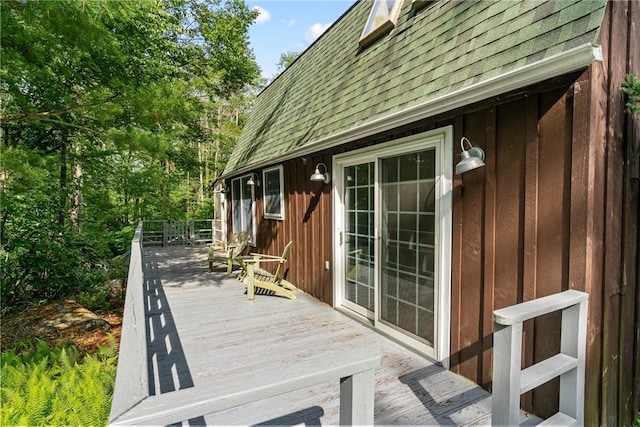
286 59
101 124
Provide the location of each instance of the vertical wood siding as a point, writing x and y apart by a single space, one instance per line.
555 208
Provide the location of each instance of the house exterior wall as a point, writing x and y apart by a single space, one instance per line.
555 208
606 160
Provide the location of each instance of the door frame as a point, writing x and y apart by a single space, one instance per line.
442 139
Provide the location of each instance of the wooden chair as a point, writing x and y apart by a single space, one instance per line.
239 242
263 281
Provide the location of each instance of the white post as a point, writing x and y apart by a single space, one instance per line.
507 356
573 343
357 399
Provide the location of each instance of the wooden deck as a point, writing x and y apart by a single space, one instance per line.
201 329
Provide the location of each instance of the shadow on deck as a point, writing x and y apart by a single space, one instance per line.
201 330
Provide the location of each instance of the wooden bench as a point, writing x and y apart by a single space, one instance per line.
354 368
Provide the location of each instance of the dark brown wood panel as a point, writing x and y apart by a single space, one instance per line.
489 247
552 232
471 224
630 311
530 222
510 147
583 259
613 208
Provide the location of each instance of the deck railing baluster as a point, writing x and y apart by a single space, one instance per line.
509 381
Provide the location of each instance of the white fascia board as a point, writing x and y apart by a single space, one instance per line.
555 65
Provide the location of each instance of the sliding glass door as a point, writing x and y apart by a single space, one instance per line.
407 266
393 225
359 238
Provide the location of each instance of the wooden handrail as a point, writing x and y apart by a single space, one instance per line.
509 381
132 377
538 307
353 368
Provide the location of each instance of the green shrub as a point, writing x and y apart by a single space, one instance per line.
40 385
631 87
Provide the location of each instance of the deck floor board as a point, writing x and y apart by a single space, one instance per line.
214 333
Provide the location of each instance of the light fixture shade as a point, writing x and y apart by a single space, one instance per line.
252 182
318 176
471 158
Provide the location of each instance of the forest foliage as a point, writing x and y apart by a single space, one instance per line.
42 385
111 112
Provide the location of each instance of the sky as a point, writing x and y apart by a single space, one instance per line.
289 26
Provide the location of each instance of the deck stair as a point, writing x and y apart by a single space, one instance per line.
509 381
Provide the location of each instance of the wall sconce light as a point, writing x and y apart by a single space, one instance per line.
472 158
252 181
317 176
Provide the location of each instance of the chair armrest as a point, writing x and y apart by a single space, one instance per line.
267 257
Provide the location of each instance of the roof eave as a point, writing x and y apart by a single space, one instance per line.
555 65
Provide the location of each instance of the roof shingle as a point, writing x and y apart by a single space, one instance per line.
335 85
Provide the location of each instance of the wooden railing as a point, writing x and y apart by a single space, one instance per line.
179 233
132 377
132 403
509 381
354 369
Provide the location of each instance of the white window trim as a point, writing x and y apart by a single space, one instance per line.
243 227
382 28
278 216
444 138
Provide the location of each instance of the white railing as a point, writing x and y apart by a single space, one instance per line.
132 377
509 381
179 233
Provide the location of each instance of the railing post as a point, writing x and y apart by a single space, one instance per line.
357 399
165 233
507 355
510 381
573 341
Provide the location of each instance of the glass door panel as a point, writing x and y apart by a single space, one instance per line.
408 243
359 182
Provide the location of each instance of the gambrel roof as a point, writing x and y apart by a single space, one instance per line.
446 55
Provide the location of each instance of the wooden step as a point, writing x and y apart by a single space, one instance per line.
546 370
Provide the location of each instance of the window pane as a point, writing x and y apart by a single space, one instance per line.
273 207
247 206
236 206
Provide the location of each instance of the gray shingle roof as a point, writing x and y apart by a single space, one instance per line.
335 85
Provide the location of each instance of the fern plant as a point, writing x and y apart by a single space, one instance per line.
48 386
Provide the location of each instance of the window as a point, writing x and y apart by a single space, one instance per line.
381 20
242 205
273 192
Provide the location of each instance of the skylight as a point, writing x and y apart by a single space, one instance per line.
381 20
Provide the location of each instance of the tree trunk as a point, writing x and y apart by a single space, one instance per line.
201 159
63 180
77 211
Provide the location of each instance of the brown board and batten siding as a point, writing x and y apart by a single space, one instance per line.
554 208
514 228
